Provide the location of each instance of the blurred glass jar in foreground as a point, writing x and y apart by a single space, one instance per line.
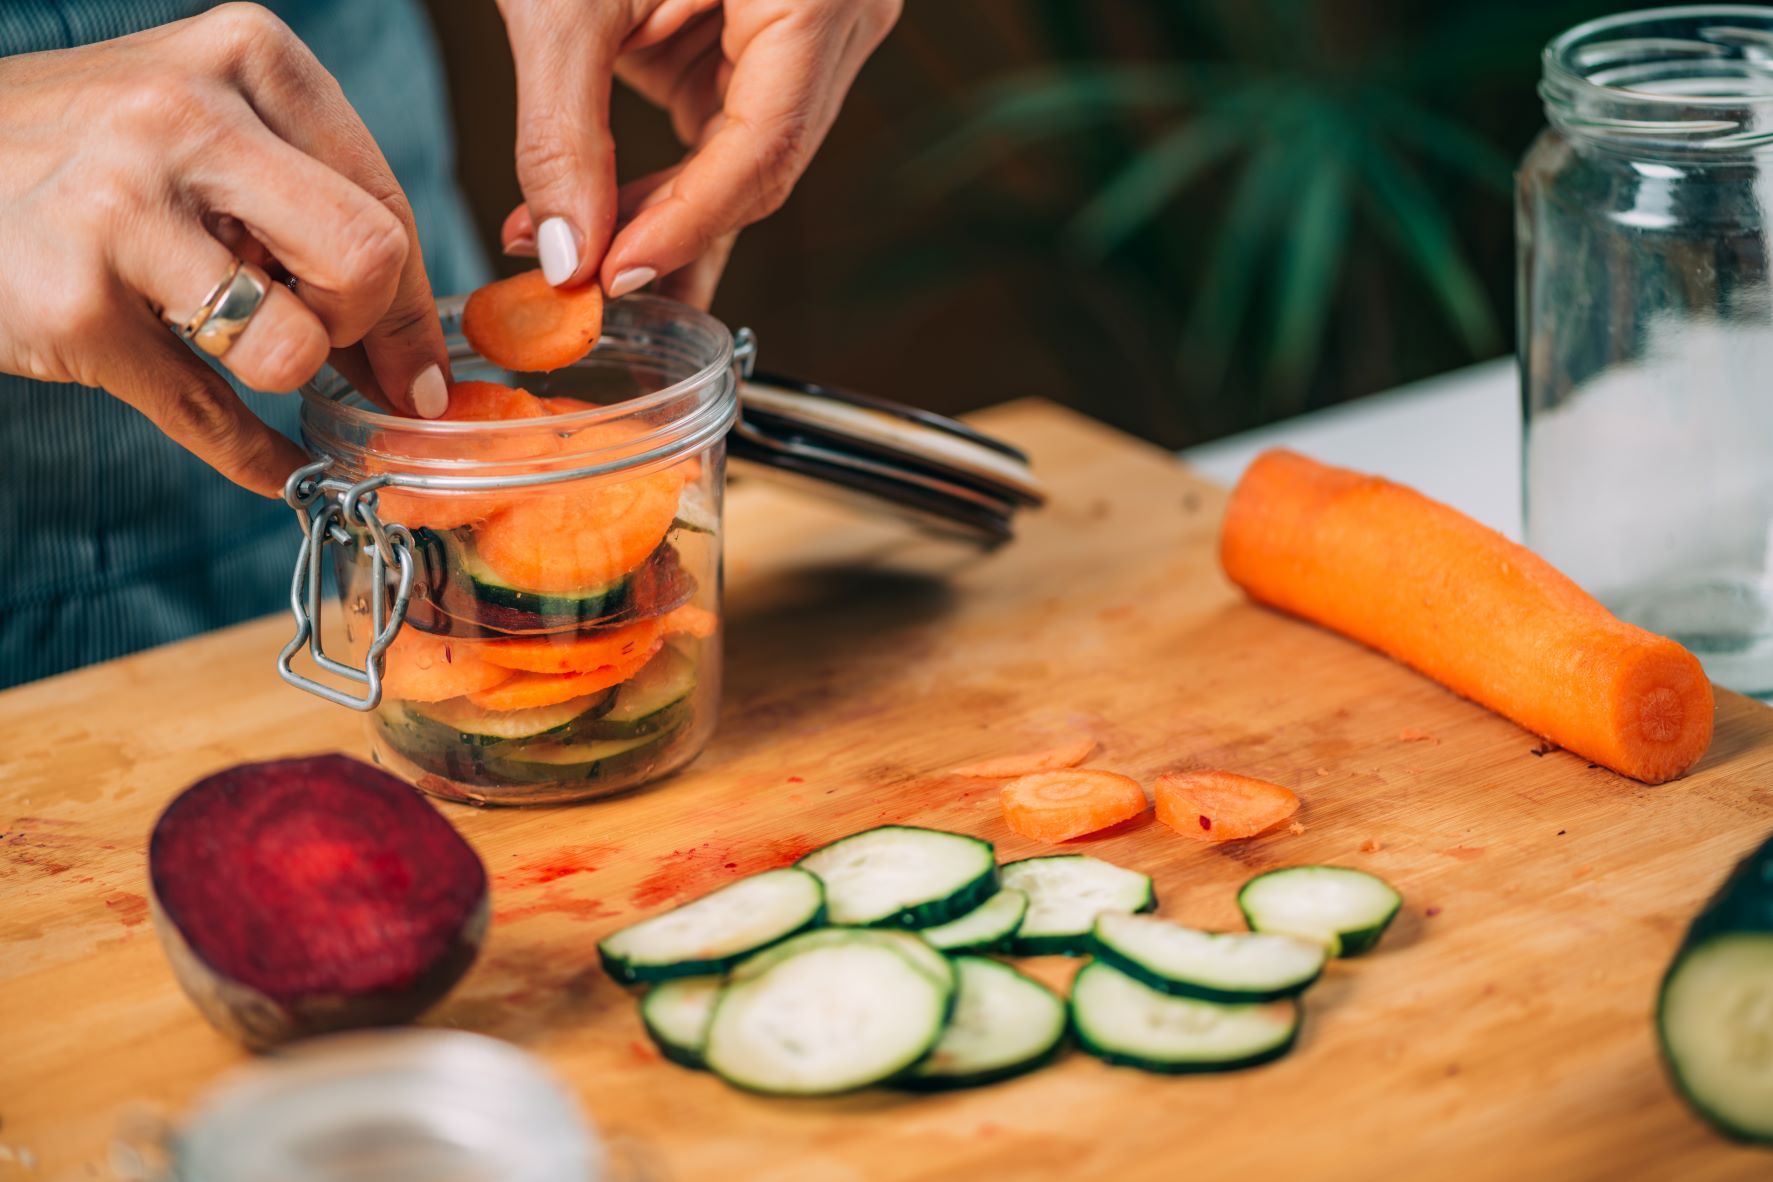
561 638
1646 326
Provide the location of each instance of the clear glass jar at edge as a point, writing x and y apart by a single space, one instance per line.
1646 326
562 639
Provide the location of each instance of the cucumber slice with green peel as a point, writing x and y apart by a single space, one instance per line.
1124 1021
489 587
1066 892
835 1017
461 721
1714 1017
903 876
696 512
1003 1024
716 931
908 944
986 928
655 699
1345 910
571 759
676 1015
1211 966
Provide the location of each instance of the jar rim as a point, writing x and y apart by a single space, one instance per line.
334 426
1608 96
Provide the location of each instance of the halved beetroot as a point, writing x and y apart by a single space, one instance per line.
304 895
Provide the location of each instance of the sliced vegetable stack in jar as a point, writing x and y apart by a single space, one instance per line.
561 638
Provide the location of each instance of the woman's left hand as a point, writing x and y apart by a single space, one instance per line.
752 88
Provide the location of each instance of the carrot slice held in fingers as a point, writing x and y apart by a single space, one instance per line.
1222 806
526 323
1482 615
1059 805
1049 759
420 667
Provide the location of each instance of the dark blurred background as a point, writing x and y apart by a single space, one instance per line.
1185 217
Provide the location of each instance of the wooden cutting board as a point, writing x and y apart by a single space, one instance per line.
1502 1030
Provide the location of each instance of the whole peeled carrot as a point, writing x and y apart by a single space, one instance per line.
1485 617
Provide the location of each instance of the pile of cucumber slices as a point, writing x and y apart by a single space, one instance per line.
867 962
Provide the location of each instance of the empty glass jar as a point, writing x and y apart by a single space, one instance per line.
1646 326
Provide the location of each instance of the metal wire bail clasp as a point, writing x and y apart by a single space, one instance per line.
332 511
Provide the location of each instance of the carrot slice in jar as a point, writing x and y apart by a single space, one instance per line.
579 536
593 649
1222 806
526 323
1057 806
469 402
522 691
420 667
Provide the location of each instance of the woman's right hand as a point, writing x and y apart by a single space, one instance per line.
131 174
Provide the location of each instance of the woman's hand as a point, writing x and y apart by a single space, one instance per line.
752 87
132 172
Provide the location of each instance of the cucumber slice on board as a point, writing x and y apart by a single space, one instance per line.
716 931
1003 1024
834 1017
1066 892
1123 1021
903 876
1211 966
1714 1017
986 928
1346 910
907 944
676 1015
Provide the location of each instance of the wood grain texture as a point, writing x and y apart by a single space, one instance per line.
1502 1030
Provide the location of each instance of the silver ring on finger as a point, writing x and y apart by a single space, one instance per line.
228 310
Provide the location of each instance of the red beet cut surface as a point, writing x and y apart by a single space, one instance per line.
311 894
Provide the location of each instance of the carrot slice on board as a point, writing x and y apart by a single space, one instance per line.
597 648
469 402
1222 806
526 323
1057 806
1049 759
581 535
526 690
1485 617
424 668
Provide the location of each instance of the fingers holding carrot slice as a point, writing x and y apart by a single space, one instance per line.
1222 806
525 323
1059 805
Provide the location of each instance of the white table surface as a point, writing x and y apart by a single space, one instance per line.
1456 437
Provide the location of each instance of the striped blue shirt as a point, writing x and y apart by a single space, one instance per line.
112 538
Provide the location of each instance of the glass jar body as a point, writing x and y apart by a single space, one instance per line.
562 637
1646 332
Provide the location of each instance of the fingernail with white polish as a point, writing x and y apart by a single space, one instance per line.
430 397
633 279
558 247
523 248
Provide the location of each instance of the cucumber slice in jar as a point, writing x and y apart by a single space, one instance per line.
1345 910
1066 892
716 931
461 721
676 1014
987 927
494 591
1123 1021
1003 1024
835 1017
655 699
903 876
571 759
908 944
1212 966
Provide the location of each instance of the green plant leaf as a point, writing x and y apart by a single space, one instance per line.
1139 191
1045 104
1407 212
1310 267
